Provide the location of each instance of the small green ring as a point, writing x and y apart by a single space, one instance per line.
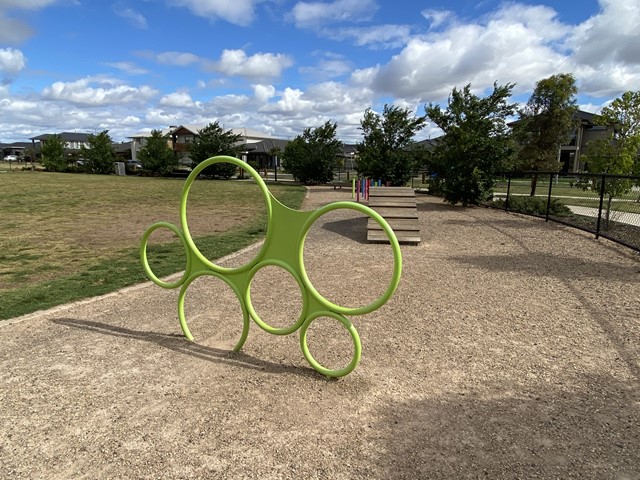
145 261
357 347
254 315
183 319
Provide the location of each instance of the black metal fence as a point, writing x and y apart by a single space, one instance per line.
606 205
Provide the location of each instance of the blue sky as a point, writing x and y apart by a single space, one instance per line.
279 66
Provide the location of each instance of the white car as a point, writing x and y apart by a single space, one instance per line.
11 158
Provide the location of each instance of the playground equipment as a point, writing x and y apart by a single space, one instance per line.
283 247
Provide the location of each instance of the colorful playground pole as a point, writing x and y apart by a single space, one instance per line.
353 188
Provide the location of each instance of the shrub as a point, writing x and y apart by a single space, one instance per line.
534 206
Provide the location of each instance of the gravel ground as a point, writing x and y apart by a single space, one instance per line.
509 350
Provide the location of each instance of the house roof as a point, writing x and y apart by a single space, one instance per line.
66 136
164 131
16 145
242 131
584 117
265 146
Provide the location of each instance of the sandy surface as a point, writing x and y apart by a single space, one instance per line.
511 349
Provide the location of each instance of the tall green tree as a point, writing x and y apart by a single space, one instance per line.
156 156
100 156
311 157
476 144
546 123
52 154
385 152
212 140
617 153
622 117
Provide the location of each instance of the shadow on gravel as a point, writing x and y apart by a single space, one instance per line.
178 343
440 207
556 433
546 265
352 228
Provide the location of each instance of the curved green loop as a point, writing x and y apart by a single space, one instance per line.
397 259
291 228
182 317
357 347
254 315
183 211
145 261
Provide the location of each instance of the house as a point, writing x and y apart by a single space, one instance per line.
73 141
139 140
17 149
570 155
179 137
265 154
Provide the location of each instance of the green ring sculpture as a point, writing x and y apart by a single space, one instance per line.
283 247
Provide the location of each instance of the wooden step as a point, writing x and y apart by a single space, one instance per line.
403 237
393 212
391 192
397 205
392 202
396 224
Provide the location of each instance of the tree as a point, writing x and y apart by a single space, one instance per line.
476 145
311 157
100 155
156 156
385 152
616 154
52 154
546 123
212 141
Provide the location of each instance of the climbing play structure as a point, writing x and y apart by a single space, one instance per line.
283 247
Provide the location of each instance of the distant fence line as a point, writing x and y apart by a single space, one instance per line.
605 205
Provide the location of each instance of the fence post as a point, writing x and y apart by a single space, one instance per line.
549 197
506 203
602 180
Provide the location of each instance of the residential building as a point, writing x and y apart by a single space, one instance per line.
139 140
73 141
19 149
179 137
570 156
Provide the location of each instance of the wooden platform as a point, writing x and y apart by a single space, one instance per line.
397 205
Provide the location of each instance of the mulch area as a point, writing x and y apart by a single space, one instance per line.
511 349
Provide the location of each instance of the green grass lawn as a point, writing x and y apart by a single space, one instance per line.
64 237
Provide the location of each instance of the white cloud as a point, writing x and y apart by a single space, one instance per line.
12 61
515 44
437 17
128 67
376 37
330 65
257 66
134 18
263 93
313 14
179 100
178 59
98 91
238 12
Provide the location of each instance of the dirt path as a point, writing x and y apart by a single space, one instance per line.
511 349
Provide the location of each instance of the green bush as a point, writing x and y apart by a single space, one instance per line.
534 206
